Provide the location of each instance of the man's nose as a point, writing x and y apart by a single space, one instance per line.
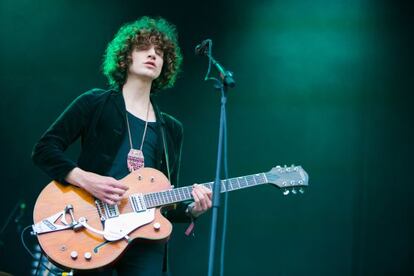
151 53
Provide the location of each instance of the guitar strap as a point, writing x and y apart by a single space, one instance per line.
164 141
159 116
190 228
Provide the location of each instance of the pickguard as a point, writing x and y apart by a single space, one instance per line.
119 227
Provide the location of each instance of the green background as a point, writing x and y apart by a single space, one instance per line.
323 84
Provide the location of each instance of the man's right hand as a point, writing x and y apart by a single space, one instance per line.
105 188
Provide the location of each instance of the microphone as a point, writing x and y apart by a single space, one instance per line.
201 49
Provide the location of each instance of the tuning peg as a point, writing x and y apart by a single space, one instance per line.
294 191
301 190
286 192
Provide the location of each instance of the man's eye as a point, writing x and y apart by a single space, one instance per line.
141 48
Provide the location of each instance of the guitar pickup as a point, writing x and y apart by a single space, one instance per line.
137 202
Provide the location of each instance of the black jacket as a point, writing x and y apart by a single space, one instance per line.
98 118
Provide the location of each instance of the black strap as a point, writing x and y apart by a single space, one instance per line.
161 119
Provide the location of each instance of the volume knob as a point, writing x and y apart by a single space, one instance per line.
74 255
88 256
156 226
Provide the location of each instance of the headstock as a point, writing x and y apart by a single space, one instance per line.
288 178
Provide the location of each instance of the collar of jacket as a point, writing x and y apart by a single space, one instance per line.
120 104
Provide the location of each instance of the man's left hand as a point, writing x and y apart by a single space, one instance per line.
202 199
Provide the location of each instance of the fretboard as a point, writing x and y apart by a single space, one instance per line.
184 193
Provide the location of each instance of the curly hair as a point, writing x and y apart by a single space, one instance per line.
140 34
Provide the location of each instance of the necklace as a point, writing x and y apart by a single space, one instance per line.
135 159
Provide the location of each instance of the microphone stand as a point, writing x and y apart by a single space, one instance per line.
226 82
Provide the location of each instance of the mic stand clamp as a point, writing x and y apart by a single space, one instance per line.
225 75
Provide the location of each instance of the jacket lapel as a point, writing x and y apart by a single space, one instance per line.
118 99
164 148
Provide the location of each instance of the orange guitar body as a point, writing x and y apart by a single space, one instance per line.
78 232
59 245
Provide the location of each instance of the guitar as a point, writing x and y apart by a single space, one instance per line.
80 232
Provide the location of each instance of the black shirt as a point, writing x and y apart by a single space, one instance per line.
119 167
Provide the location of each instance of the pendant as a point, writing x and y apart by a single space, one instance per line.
135 160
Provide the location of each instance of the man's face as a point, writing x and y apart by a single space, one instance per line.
146 62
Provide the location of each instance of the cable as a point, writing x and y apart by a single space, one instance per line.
210 45
207 77
226 194
31 254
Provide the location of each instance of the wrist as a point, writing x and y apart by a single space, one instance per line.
192 212
189 210
75 177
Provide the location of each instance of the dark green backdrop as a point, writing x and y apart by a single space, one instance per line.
324 84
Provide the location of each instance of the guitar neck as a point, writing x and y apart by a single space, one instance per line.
184 193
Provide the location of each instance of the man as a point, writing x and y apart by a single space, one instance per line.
121 130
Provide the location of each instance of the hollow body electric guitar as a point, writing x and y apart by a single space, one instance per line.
79 232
